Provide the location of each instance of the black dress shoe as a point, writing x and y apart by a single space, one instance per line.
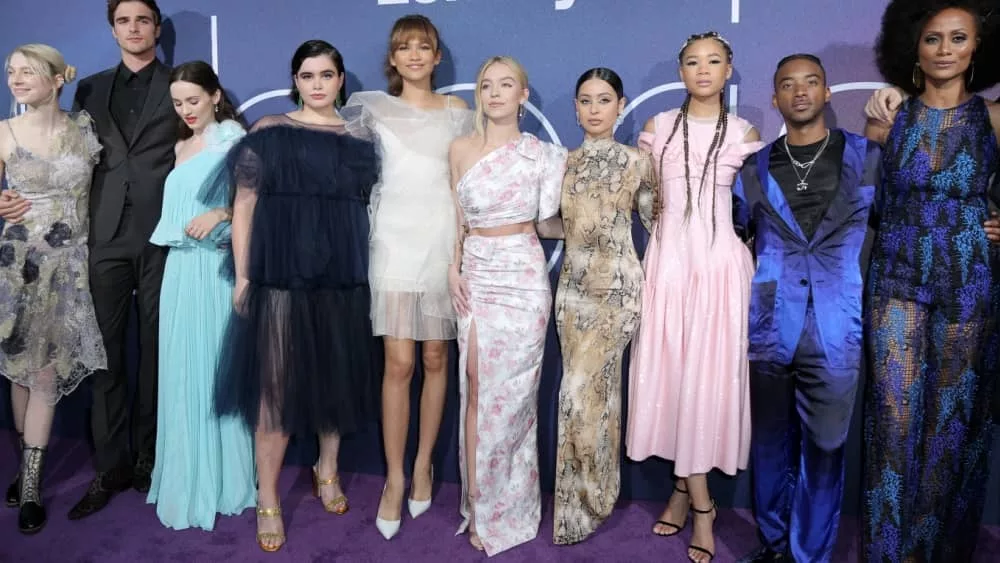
31 519
765 555
14 493
142 473
102 488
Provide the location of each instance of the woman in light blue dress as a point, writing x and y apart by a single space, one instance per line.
204 463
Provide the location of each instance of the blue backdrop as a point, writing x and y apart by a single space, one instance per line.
250 43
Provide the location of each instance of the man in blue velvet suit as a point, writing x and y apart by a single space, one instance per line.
805 202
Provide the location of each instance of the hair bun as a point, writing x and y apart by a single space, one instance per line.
69 74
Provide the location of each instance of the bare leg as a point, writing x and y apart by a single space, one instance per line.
399 362
432 397
332 495
38 416
19 404
471 435
676 512
704 518
270 448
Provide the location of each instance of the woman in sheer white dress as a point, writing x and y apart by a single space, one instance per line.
412 238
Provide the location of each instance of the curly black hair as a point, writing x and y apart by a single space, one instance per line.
899 37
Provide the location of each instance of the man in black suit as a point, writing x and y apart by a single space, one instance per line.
137 126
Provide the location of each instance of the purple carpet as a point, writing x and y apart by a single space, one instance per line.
128 530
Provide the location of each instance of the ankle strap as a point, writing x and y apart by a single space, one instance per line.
709 511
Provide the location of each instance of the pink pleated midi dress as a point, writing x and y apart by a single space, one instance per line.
689 398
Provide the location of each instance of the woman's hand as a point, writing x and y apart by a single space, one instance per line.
239 292
459 288
202 225
992 228
13 206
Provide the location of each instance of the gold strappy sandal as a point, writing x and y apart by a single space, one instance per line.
339 505
266 539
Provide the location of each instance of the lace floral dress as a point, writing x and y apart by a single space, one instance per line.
49 338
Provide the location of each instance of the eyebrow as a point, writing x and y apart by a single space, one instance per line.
787 78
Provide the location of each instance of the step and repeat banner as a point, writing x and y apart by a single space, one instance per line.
250 43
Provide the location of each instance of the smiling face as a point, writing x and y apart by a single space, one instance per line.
597 107
414 57
135 28
28 82
800 91
501 91
947 44
318 82
705 67
193 104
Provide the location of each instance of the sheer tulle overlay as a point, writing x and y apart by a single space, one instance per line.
299 352
412 213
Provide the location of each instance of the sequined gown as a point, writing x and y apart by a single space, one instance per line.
49 338
932 336
598 300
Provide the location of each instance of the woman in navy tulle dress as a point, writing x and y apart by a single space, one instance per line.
300 357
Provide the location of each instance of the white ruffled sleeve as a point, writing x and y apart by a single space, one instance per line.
552 164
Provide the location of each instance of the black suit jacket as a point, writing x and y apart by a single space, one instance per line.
138 165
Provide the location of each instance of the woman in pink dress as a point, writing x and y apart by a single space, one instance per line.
688 391
505 181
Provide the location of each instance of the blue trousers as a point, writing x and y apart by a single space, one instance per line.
801 413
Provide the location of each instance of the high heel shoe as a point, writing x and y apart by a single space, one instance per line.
265 539
711 555
675 529
388 528
418 507
338 505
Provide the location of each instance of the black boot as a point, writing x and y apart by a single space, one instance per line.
32 516
14 490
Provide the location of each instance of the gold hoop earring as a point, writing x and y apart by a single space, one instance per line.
917 77
972 73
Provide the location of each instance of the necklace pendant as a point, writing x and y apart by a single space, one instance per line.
802 186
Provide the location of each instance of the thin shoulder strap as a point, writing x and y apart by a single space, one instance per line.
447 102
12 135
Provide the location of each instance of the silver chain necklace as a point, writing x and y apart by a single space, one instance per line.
807 166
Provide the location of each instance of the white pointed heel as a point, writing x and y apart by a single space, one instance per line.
388 528
418 507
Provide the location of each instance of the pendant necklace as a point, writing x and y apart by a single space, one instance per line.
807 166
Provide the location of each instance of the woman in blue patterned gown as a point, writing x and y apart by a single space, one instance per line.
933 299
204 464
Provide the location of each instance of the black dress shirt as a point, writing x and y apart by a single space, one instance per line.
128 95
809 206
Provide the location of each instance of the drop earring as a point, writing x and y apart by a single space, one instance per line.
917 77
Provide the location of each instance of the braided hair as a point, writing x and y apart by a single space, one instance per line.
721 126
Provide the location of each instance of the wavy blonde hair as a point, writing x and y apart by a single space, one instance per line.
519 73
46 61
